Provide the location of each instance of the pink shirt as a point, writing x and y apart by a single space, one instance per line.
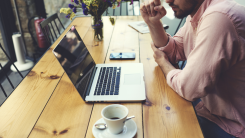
213 43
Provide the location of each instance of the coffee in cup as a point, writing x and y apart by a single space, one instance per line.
115 116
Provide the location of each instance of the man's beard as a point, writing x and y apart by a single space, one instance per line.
183 13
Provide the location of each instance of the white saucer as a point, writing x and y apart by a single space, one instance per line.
129 130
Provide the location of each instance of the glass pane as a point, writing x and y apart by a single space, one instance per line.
3 58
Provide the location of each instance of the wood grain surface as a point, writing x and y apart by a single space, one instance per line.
21 110
66 114
19 113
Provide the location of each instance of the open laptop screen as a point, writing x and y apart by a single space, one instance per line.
75 59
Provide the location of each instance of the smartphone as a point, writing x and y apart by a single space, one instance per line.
122 56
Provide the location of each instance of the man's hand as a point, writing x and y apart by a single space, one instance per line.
162 60
160 57
152 11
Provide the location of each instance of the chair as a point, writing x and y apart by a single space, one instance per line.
51 33
3 71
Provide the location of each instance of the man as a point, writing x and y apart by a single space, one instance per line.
213 43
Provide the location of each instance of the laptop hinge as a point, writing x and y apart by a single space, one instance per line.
91 81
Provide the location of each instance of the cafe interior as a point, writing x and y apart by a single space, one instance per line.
41 110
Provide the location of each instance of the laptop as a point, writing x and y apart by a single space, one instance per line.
122 82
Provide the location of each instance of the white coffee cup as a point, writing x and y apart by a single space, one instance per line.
114 116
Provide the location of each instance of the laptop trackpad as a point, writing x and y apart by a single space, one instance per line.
131 79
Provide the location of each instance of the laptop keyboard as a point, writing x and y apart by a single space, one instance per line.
108 81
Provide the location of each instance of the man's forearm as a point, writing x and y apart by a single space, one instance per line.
158 34
166 67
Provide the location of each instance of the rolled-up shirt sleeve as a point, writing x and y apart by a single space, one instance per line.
216 49
174 48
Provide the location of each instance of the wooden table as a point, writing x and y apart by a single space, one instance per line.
46 104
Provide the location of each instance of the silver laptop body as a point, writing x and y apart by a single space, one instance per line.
122 82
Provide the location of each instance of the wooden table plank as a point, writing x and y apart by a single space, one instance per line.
165 113
124 39
66 114
19 113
